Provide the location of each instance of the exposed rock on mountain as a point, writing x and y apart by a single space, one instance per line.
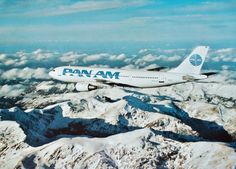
190 125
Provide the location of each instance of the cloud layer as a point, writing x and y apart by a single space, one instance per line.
34 66
25 73
11 90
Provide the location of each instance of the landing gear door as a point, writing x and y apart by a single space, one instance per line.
161 80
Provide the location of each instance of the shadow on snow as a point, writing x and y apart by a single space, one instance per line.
207 129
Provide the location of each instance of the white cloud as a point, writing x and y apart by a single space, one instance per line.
128 60
71 57
74 58
54 7
2 57
222 58
172 50
158 50
149 58
94 57
225 67
152 58
9 62
26 73
40 54
225 50
169 58
11 90
22 58
142 51
209 6
130 66
140 62
84 6
117 57
100 66
145 59
173 58
12 60
223 55
121 57
18 59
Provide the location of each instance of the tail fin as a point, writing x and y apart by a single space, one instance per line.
193 63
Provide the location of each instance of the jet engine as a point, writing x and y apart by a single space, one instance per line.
83 87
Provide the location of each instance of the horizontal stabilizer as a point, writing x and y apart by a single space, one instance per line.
210 73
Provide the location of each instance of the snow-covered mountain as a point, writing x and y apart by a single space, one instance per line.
191 125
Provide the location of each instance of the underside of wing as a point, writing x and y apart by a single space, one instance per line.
111 83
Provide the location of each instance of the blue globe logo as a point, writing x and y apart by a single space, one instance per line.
195 60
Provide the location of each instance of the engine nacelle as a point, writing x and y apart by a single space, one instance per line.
83 87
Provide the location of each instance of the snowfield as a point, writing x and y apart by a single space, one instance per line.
191 125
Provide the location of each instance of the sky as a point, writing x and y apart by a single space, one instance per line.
36 36
117 24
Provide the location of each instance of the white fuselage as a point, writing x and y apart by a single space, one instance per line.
87 78
134 78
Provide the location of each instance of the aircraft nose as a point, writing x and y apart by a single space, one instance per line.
51 73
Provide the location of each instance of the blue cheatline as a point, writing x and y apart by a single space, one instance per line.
195 60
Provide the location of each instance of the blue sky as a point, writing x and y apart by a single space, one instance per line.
166 22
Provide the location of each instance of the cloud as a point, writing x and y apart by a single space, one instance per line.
21 59
118 57
95 57
86 58
142 51
150 23
130 66
225 67
10 60
26 73
188 28
149 58
85 6
144 60
223 55
78 58
209 6
2 57
34 65
40 54
12 90
99 66
175 55
162 51
169 58
55 8
225 50
71 57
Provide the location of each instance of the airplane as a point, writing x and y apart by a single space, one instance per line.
87 78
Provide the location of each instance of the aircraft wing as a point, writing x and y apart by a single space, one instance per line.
156 69
103 81
110 83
